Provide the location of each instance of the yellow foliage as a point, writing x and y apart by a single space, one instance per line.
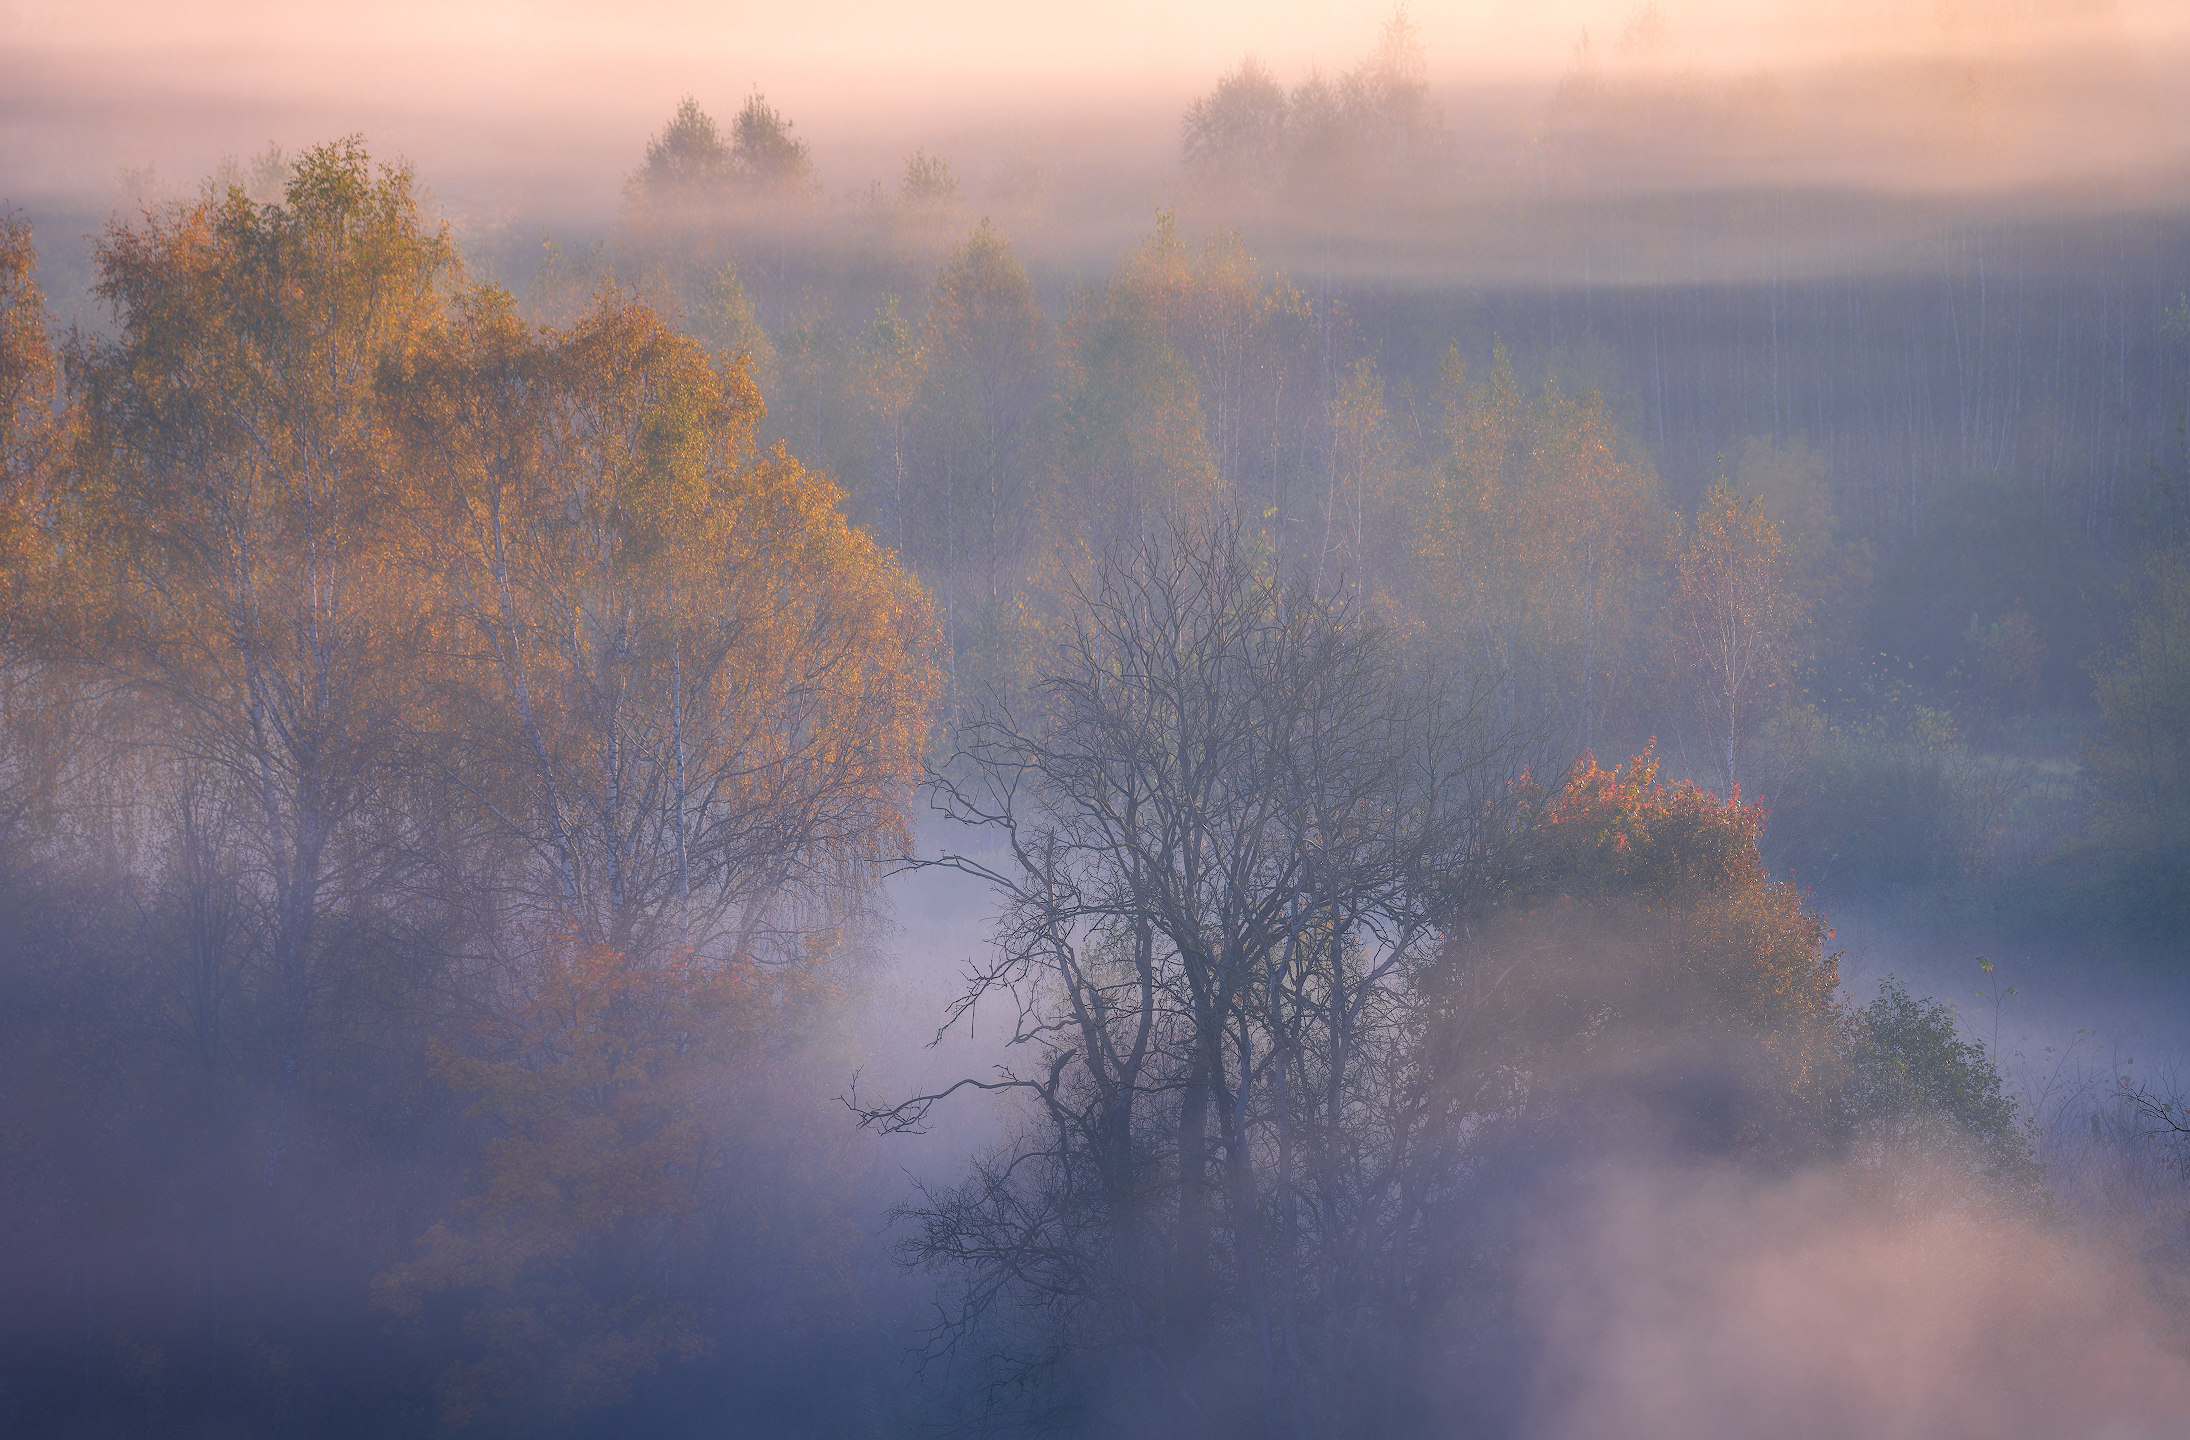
1538 540
695 687
1736 618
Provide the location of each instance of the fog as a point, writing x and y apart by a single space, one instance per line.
1707 1304
1112 721
532 114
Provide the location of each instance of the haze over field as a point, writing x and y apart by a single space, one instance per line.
536 110
1112 721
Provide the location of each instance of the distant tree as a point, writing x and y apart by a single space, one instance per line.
1538 539
689 159
1736 621
928 180
1830 573
1136 453
723 318
894 370
1235 137
769 160
977 438
1330 144
692 163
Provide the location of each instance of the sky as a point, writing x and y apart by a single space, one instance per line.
531 113
568 89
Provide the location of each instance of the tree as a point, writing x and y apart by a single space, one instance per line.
29 380
704 200
1334 146
1234 137
928 180
692 162
976 440
1619 910
1538 541
685 689
1136 453
33 747
238 502
769 160
1736 621
1218 836
688 160
1920 1097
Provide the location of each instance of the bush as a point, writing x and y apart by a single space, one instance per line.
1919 1095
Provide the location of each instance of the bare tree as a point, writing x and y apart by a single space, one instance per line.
1222 837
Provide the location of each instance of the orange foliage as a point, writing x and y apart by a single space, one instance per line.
1632 909
28 377
1624 831
1688 859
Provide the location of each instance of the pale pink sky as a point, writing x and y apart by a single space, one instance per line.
533 98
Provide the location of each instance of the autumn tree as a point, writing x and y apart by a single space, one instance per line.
681 707
1620 911
1275 395
1136 450
29 381
1736 621
691 694
31 435
239 504
1539 543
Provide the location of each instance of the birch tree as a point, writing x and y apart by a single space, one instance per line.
236 499
1736 620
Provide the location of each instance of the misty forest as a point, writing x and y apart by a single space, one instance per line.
1430 787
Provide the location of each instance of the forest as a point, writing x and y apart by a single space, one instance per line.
818 815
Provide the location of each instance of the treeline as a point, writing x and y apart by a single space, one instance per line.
1919 343
1963 471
